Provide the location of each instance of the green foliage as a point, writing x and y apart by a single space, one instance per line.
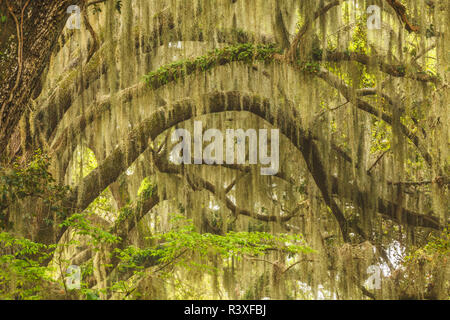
21 274
426 267
3 20
311 67
24 273
183 241
92 295
437 248
381 137
145 191
80 223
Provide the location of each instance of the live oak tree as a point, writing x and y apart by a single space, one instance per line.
364 147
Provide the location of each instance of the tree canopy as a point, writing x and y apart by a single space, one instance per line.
94 204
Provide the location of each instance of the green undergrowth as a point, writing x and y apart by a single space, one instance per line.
182 242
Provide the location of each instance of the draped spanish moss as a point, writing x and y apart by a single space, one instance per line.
363 120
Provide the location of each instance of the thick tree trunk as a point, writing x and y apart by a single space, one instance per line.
26 41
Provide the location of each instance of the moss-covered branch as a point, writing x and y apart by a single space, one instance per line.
137 142
243 52
340 85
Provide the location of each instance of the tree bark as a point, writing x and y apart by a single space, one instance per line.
26 41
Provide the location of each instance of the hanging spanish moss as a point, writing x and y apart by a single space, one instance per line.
355 205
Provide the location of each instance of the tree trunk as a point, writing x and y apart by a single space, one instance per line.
27 39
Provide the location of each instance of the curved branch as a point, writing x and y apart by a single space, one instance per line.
157 81
206 185
340 85
137 142
386 208
123 156
60 100
333 80
95 43
391 69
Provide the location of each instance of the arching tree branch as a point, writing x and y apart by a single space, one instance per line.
137 142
